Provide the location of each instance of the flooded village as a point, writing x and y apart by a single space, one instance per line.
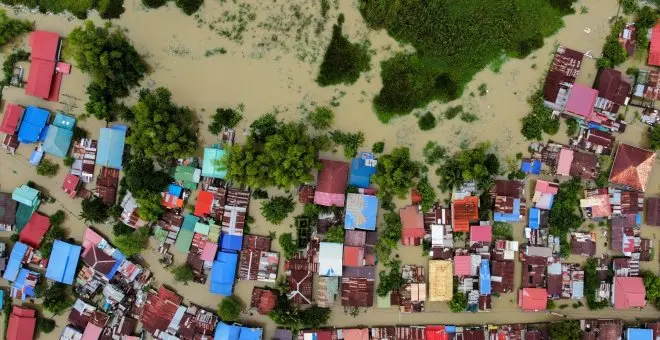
481 260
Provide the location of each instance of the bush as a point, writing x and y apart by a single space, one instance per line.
288 245
343 61
427 192
68 161
396 173
453 111
46 325
434 153
629 6
47 168
378 147
572 127
57 218
387 282
189 6
350 141
502 230
110 9
469 117
321 118
277 209
426 121
57 298
229 309
259 194
458 303
154 3
335 234
539 120
11 28
183 273
228 118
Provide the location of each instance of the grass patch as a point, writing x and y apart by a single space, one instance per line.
343 61
453 41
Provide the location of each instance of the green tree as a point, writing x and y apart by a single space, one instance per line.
57 298
57 218
154 3
629 6
183 273
475 164
458 303
120 228
652 285
288 245
427 192
434 153
378 147
314 317
390 281
614 52
646 18
55 232
335 234
565 214
654 137
389 237
592 285
350 141
321 118
94 210
150 207
571 127
142 178
68 161
110 9
426 121
162 130
47 168
10 28
134 243
396 172
189 6
343 61
229 309
46 325
276 209
565 330
228 118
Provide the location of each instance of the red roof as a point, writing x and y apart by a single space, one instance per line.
654 49
481 233
462 265
533 299
35 230
44 45
204 203
465 211
632 167
333 177
40 78
565 68
98 260
613 88
436 333
413 225
11 118
70 184
629 292
21 324
653 211
159 310
353 256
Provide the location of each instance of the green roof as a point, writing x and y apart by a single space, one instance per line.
383 301
189 222
188 175
210 167
160 234
23 214
202 228
26 195
184 240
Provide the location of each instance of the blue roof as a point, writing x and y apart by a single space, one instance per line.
514 216
174 190
235 332
534 218
57 141
111 147
531 166
189 221
210 167
484 277
15 259
34 121
117 255
63 262
35 157
223 273
362 168
250 333
361 211
28 290
2 297
639 334
231 242
450 329
64 121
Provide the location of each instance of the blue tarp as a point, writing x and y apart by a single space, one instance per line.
174 190
34 121
35 157
484 277
57 141
117 255
2 298
235 332
512 217
231 242
639 334
531 166
361 212
15 259
534 218
111 147
63 262
250 333
189 221
450 329
28 290
223 273
362 168
638 218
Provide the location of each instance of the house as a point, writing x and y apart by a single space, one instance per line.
15 260
130 214
602 329
628 38
652 211
84 155
10 143
626 202
362 168
331 183
35 230
563 71
63 261
533 299
204 203
628 292
531 166
98 260
596 204
27 196
501 276
106 185
632 167
482 234
237 332
577 164
361 212
300 283
196 323
464 212
33 125
509 188
462 264
187 176
159 310
544 194
440 280
581 102
354 333
223 273
327 291
622 235
172 198
11 118
594 140
330 259
22 323
358 286
7 212
110 150
43 80
282 334
263 300
583 244
654 49
639 333
413 226
233 218
59 135
257 262
186 234
306 194
442 242
509 209
70 185
211 164
484 277
613 91
24 286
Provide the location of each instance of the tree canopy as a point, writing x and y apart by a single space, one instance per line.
228 118
565 330
343 61
133 243
150 206
335 234
652 285
57 298
396 172
229 309
288 245
654 137
392 280
142 178
162 131
183 273
12 28
47 168
276 209
321 118
93 210
458 303
475 164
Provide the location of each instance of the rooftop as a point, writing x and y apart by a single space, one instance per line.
632 167
331 183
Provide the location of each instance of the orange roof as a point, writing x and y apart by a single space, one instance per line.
465 211
204 202
352 256
654 49
632 167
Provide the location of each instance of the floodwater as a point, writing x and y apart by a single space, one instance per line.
272 53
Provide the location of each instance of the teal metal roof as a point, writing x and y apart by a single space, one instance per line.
26 195
57 141
210 167
64 121
189 222
111 147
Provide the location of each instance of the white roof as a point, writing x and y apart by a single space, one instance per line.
331 258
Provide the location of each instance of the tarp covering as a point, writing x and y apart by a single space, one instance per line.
15 259
34 121
484 277
223 273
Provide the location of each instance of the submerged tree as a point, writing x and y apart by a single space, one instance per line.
229 309
277 208
12 28
94 210
396 172
343 61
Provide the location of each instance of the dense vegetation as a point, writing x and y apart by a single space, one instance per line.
350 141
10 62
113 64
396 173
539 120
565 330
162 130
276 209
11 28
458 303
288 245
614 53
94 210
227 118
475 164
57 297
592 285
321 118
389 237
335 234
108 9
55 232
343 61
565 214
425 189
188 7
290 316
453 40
183 273
652 285
47 168
229 309
390 281
133 243
141 177
654 137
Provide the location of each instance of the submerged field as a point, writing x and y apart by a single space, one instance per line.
270 63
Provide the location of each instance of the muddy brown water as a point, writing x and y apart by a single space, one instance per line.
270 64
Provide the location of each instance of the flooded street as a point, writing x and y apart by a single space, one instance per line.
270 63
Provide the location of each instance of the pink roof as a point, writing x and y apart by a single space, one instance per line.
603 209
40 78
91 238
356 334
63 67
11 118
533 299
654 50
92 332
462 265
545 187
35 230
70 184
564 162
44 45
481 233
332 179
209 252
629 292
581 100
329 200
